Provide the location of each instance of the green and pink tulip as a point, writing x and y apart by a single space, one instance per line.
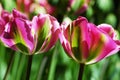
30 7
78 6
24 5
87 43
29 37
48 7
45 31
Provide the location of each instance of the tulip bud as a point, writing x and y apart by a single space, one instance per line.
87 43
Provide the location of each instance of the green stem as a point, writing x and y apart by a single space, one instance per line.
9 65
29 66
53 64
44 61
21 66
81 71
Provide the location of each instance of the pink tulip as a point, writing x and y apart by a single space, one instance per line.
24 5
45 30
78 6
31 6
87 43
49 8
16 33
28 37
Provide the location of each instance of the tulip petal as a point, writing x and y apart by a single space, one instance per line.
102 45
6 16
80 37
64 40
24 36
17 35
108 29
1 26
51 40
7 37
18 14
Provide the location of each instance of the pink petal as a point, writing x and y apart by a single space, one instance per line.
102 45
85 41
65 43
24 32
38 22
17 14
53 36
7 38
108 29
6 16
1 26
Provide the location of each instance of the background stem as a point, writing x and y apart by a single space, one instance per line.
81 71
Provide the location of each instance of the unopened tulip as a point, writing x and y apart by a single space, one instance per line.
28 37
87 43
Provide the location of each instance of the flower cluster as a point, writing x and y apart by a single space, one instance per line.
81 40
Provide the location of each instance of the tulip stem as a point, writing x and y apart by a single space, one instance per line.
9 65
81 71
29 66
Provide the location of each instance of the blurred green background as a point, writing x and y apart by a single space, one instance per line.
55 64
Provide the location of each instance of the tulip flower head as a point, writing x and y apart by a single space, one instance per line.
31 7
49 8
29 37
26 4
45 30
78 6
87 43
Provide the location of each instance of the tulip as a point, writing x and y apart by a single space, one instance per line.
78 6
28 37
49 8
87 43
16 32
31 7
45 30
25 5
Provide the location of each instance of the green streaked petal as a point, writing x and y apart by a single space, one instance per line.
43 33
